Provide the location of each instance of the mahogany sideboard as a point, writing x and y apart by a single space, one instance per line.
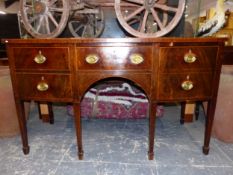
165 69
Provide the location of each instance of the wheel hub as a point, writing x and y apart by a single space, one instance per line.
81 18
149 4
39 7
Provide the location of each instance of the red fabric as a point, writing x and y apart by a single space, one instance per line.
115 100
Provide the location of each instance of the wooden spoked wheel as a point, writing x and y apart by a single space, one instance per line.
87 23
149 18
44 18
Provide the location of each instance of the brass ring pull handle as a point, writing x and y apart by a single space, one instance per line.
92 59
42 86
136 59
187 85
190 57
39 58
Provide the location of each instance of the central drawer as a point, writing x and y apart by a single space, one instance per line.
46 86
41 58
115 58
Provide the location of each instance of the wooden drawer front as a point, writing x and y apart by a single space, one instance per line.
59 86
56 58
112 58
169 86
172 59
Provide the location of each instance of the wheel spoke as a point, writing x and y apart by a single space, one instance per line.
93 22
78 28
130 16
143 26
31 20
165 18
52 2
40 23
95 27
133 21
54 9
135 1
162 1
84 30
47 24
52 19
157 19
89 31
166 8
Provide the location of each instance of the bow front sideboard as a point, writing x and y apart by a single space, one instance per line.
165 69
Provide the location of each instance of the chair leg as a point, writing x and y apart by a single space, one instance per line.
182 112
46 112
197 109
187 112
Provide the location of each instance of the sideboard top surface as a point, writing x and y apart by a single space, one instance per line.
113 40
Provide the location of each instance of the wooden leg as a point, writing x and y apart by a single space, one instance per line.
22 125
46 112
182 112
51 116
39 110
78 124
197 109
208 125
152 117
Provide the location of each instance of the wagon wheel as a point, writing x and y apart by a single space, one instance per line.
44 18
155 17
88 22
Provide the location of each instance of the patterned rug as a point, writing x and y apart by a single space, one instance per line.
116 100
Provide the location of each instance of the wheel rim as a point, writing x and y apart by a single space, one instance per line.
90 24
44 18
157 17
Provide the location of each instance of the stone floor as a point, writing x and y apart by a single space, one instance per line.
115 147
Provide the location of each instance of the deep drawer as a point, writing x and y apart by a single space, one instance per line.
170 86
188 59
41 58
46 86
115 58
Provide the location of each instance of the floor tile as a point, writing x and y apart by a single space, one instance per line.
116 147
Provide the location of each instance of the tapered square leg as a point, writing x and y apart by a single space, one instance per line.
22 124
208 125
205 150
152 117
78 124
